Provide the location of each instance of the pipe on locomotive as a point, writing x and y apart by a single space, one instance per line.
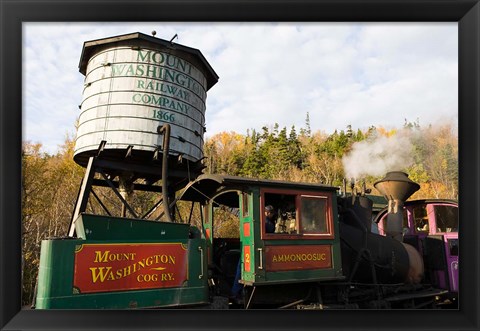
396 187
165 130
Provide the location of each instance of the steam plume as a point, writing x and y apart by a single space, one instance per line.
377 156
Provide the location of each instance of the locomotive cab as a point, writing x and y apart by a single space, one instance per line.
301 250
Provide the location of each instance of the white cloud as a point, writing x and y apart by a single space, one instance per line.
358 74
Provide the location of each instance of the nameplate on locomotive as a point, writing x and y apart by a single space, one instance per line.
283 258
124 267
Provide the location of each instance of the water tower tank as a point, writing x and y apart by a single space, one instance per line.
134 84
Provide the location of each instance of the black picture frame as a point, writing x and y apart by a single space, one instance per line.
14 13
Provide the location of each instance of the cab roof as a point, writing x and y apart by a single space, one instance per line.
208 186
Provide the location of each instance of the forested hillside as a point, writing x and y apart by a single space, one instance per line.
428 154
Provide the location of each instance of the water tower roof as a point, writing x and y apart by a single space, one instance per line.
142 40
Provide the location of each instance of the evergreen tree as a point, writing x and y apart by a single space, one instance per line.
295 150
349 133
358 136
307 131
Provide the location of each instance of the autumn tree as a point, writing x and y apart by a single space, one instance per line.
49 188
225 153
436 161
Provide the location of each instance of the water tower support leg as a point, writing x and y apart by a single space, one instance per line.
83 194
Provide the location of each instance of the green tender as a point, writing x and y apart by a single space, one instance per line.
57 258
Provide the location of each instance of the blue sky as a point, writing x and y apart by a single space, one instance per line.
340 73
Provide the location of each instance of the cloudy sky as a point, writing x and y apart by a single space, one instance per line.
340 73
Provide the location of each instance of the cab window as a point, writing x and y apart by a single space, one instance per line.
284 214
420 217
298 215
446 218
314 215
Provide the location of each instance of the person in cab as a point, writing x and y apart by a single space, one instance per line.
269 219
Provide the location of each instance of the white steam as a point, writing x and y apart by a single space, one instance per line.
377 156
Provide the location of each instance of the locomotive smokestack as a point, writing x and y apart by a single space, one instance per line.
396 187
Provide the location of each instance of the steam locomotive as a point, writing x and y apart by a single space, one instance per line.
322 255
141 124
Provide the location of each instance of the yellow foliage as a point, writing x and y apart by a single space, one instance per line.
385 132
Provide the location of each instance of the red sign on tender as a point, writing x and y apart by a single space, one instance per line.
121 267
